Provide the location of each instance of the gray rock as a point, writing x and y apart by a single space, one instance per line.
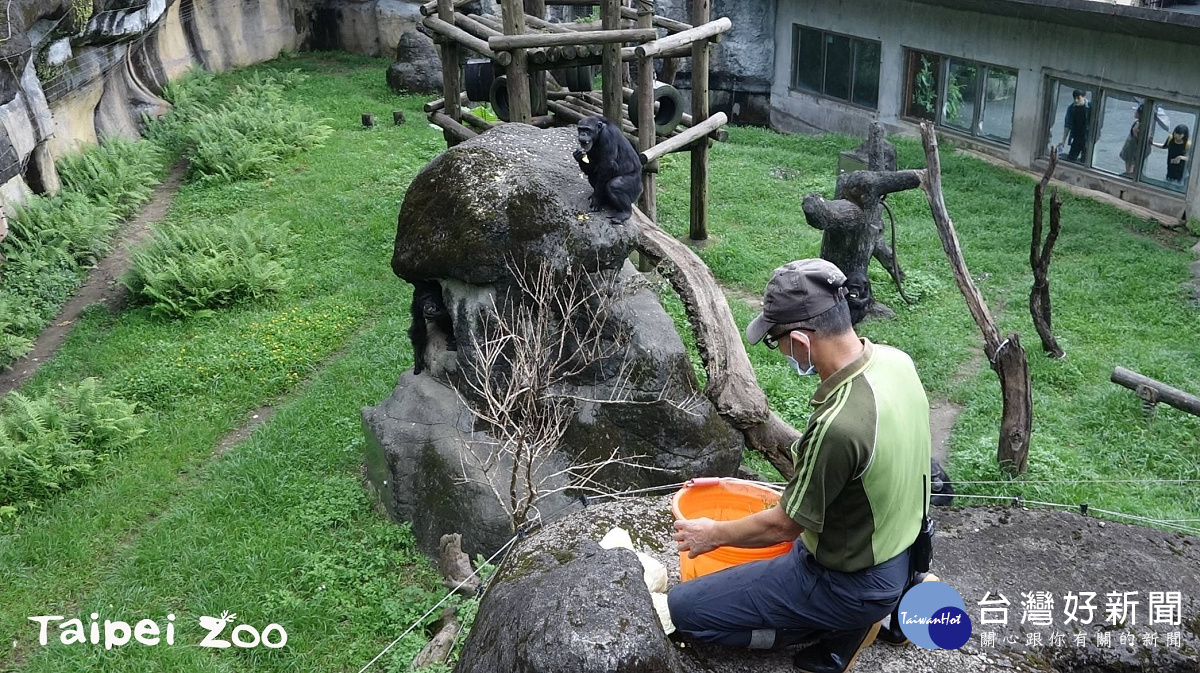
420 466
514 192
576 608
393 19
1196 249
418 67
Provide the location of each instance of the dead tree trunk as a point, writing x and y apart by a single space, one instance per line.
1007 357
1039 260
732 387
853 222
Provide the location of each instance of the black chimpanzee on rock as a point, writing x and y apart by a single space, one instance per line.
611 164
428 307
858 295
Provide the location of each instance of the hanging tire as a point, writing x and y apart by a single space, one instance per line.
670 108
479 76
498 97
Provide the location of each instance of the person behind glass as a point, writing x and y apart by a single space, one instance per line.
856 501
1129 150
1075 126
1177 149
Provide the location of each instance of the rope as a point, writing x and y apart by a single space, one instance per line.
1084 507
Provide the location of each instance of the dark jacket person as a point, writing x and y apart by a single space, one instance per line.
855 503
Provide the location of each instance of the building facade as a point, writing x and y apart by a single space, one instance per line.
1001 76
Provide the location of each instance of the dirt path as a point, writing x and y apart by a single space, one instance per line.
101 286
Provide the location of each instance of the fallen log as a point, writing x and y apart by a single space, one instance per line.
732 387
1152 391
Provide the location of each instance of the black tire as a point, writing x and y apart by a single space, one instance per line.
670 108
479 75
498 97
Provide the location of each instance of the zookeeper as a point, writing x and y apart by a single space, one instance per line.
856 503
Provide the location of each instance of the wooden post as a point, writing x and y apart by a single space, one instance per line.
451 73
698 230
537 84
646 135
610 70
519 109
1007 356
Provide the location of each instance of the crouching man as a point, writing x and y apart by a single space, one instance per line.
856 502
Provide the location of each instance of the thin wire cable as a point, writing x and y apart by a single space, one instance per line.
1166 523
437 605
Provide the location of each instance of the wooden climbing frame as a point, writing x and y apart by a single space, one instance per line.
525 45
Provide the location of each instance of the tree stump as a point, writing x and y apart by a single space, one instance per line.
853 222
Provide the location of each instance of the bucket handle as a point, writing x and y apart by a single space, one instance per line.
714 481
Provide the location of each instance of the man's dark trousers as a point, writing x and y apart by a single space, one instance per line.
746 605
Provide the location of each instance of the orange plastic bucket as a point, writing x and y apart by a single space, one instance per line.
723 499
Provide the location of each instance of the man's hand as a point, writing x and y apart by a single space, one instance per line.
696 536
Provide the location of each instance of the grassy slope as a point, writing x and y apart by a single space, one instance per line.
279 529
1114 283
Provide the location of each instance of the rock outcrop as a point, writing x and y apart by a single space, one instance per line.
575 608
484 219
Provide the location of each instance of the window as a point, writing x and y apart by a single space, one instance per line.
838 66
974 98
1121 134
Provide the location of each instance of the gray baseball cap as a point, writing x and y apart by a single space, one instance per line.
797 291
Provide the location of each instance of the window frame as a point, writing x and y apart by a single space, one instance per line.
855 41
982 69
1100 93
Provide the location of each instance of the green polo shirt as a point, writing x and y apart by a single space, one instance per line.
863 463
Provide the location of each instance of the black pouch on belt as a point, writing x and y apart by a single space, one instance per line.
922 548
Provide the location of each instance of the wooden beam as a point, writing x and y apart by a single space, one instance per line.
451 127
1161 392
519 109
477 121
682 140
440 103
671 25
537 40
646 130
451 65
692 36
610 67
537 79
470 24
698 213
458 36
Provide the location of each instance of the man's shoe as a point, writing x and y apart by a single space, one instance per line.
836 652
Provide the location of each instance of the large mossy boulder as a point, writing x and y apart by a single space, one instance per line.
513 193
477 219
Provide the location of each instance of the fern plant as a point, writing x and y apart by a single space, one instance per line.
118 173
200 266
54 442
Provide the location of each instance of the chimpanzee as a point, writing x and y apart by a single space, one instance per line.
611 164
428 306
858 295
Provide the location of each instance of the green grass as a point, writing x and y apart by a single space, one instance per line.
279 529
1115 285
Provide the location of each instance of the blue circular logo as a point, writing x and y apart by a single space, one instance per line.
934 616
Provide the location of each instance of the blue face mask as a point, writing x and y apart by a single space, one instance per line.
812 369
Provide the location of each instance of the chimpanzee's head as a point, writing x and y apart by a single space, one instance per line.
589 131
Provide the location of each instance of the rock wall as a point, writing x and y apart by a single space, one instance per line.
72 85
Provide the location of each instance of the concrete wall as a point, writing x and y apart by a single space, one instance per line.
1141 66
